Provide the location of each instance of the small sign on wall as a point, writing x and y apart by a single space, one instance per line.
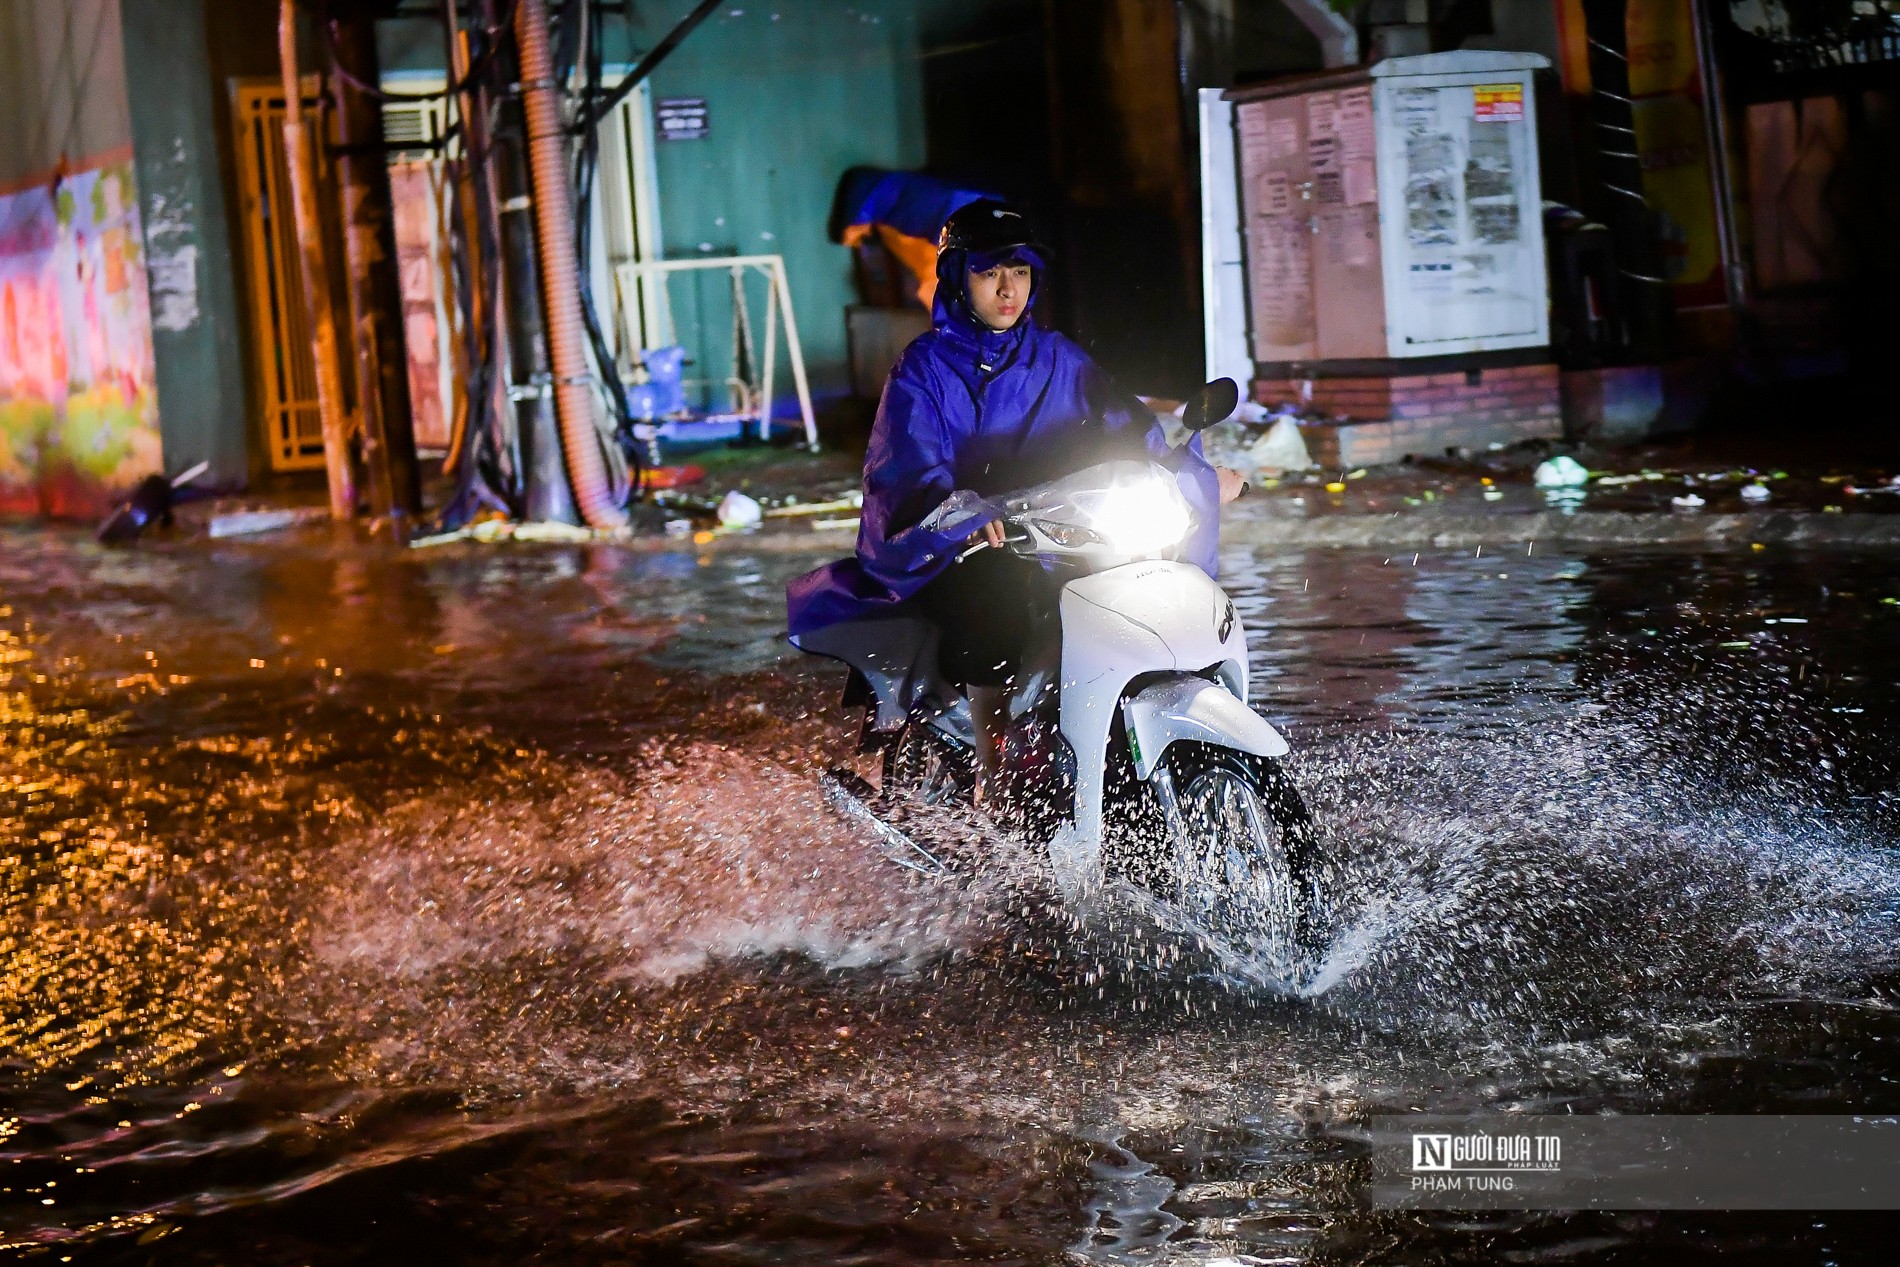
681 119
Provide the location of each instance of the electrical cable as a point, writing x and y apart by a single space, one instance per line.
658 53
488 475
461 279
586 169
475 69
550 165
569 22
484 476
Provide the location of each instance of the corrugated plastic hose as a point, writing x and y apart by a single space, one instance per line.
560 274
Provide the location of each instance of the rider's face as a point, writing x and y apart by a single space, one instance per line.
999 295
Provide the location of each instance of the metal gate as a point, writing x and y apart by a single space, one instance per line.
283 351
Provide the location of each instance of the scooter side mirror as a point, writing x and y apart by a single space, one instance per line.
1214 403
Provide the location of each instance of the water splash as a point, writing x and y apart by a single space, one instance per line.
490 929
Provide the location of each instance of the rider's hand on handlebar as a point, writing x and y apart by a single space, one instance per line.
993 532
1232 483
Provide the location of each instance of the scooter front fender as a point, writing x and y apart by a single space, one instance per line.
1193 708
1120 626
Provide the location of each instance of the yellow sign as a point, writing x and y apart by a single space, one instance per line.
1497 103
1672 137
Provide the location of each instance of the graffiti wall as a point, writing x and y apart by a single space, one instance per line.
78 412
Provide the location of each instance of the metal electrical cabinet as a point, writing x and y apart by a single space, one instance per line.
1393 211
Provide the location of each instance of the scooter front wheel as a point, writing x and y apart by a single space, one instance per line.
1241 862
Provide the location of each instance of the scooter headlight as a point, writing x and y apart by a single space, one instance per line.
1143 516
1068 536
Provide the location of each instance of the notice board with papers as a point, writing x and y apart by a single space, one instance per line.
1393 210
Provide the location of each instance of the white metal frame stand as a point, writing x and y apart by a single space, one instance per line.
630 274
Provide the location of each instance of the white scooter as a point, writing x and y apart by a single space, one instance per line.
1130 751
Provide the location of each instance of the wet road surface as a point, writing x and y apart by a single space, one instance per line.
480 906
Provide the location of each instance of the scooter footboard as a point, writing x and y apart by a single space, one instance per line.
1193 708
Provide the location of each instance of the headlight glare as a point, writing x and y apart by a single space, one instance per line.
1144 517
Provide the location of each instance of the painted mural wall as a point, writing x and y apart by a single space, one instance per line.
78 412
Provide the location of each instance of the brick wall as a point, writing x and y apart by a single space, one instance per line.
1386 418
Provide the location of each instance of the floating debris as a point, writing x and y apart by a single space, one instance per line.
736 510
850 501
151 502
244 523
656 477
1280 448
1561 472
489 531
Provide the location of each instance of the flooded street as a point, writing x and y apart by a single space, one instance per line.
480 905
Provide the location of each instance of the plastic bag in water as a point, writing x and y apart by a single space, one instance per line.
1281 449
1561 472
736 510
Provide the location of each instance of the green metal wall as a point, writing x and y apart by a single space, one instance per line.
182 57
178 92
798 91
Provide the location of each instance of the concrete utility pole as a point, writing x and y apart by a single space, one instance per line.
375 288
298 157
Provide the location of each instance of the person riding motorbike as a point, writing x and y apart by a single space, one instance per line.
986 401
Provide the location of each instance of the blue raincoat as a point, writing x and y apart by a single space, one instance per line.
967 407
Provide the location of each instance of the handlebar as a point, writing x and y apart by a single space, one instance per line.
982 542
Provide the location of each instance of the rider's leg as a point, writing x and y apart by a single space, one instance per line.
986 610
989 713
